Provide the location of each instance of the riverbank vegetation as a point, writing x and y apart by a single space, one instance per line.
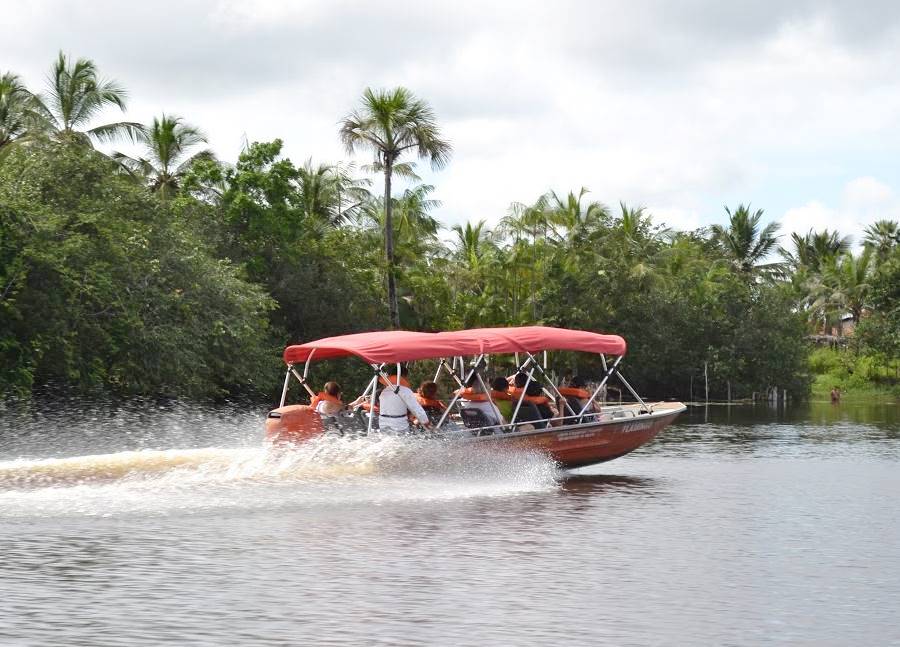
174 273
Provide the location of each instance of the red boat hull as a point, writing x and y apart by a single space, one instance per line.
586 444
569 445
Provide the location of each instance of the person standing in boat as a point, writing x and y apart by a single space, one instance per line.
396 401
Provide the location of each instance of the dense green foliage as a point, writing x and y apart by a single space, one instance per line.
174 273
104 286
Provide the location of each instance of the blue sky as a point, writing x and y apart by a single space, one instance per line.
680 107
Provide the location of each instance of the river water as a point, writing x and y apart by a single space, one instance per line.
147 525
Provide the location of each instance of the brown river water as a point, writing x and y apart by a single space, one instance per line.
149 525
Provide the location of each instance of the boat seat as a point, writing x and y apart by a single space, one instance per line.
474 418
530 413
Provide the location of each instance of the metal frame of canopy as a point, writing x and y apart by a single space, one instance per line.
359 346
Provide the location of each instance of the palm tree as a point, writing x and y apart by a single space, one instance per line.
76 96
814 249
17 116
472 244
572 217
640 241
513 226
390 123
882 236
320 193
745 244
167 143
842 287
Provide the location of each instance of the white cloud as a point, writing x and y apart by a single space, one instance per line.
863 201
670 105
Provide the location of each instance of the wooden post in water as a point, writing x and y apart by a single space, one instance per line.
706 380
729 391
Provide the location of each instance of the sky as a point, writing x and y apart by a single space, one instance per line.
680 107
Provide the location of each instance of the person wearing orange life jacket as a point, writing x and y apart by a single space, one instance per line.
577 396
473 396
505 402
535 405
396 401
427 397
327 403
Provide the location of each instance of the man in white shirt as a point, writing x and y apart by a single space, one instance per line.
395 401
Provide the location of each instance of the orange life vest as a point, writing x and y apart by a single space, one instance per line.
321 396
572 392
429 403
471 395
536 399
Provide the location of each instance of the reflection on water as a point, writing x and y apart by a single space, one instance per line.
145 525
591 484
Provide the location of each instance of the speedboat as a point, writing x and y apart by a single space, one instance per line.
581 434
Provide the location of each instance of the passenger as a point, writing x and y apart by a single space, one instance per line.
327 403
577 396
396 401
528 411
427 397
535 394
502 398
474 398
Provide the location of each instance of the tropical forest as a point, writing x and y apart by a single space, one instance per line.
174 273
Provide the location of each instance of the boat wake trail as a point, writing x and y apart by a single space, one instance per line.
324 471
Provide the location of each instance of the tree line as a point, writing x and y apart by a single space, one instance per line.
173 272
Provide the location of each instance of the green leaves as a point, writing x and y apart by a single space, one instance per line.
104 289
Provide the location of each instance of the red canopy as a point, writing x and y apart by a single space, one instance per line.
402 346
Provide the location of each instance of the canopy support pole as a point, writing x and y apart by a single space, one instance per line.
308 360
374 386
284 390
449 368
552 385
634 393
522 396
302 381
475 366
490 399
609 372
603 360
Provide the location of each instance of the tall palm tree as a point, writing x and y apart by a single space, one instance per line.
76 96
882 236
745 244
167 143
391 123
